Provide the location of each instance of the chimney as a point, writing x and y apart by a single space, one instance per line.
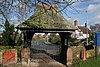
76 23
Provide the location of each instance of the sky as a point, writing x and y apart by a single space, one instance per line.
77 11
92 16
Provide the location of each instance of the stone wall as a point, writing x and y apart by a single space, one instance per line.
69 56
25 57
77 50
75 53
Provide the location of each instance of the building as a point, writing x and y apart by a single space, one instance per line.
47 21
82 33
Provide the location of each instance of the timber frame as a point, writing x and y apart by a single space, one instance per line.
63 33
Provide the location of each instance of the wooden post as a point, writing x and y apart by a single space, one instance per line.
64 47
27 38
26 51
46 37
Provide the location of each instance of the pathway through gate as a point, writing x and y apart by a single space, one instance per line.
45 55
51 50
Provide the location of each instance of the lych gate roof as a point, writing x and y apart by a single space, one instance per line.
46 19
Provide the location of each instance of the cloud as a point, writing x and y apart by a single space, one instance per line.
94 20
97 1
94 8
94 12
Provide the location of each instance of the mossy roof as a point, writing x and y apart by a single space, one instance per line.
46 19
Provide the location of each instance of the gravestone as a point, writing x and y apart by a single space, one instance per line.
25 57
69 56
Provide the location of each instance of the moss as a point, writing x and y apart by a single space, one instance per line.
47 19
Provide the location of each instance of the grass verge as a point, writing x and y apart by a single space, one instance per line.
91 62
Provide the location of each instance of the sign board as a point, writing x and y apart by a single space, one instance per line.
9 56
97 38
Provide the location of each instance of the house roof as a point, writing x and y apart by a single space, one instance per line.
84 29
46 19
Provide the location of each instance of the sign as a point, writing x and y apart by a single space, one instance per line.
9 56
97 38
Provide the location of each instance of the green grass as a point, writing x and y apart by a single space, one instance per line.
47 43
92 62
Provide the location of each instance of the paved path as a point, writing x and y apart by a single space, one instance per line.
51 49
43 60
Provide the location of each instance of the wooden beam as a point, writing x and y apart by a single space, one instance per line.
28 38
64 47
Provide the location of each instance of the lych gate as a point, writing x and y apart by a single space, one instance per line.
47 22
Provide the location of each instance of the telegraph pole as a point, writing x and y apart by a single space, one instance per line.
86 29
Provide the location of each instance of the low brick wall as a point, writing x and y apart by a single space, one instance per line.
77 53
90 53
69 56
77 50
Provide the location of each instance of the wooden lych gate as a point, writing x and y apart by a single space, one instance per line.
64 35
47 22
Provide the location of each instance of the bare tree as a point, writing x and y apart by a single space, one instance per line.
95 28
22 9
